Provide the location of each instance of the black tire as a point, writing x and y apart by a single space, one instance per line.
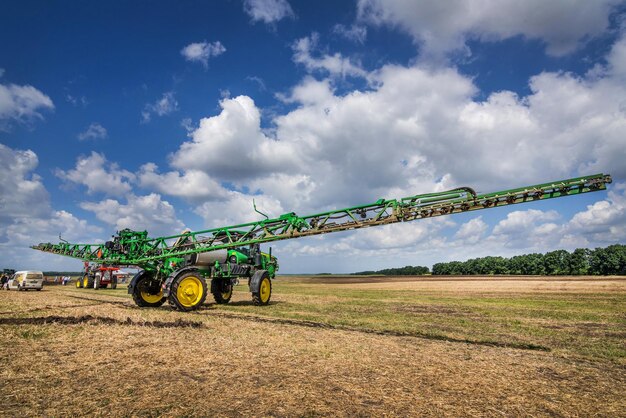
147 291
39 290
90 280
113 282
222 290
263 296
96 282
188 291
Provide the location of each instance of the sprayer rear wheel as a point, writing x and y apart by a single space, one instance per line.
222 290
188 291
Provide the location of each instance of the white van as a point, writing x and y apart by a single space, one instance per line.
24 280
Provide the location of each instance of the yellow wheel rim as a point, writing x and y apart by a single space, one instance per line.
150 298
78 283
265 290
189 292
227 295
85 281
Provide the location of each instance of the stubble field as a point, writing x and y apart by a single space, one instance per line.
326 346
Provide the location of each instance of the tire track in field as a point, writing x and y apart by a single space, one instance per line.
48 307
125 303
98 320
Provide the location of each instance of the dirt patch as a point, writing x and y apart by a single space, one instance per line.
97 320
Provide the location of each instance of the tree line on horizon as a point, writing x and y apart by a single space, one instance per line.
609 260
398 271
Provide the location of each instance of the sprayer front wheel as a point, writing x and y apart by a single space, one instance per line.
222 290
188 291
148 293
262 297
79 283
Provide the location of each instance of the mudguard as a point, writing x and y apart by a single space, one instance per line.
133 282
255 281
168 282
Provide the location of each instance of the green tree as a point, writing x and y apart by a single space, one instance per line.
533 264
556 262
579 261
609 260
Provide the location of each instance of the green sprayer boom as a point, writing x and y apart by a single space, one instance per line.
163 256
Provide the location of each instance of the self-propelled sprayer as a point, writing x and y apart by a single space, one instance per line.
176 268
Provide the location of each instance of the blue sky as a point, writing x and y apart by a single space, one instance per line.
166 115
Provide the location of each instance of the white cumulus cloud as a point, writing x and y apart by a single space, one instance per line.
27 218
604 222
193 184
94 131
22 193
472 231
445 26
355 33
335 64
99 175
164 106
21 104
147 212
268 11
231 145
202 51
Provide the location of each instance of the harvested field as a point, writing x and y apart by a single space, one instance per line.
325 346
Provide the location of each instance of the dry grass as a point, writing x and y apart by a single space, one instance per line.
94 353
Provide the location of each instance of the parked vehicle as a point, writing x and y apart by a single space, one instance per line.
26 279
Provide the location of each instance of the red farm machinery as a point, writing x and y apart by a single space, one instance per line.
97 276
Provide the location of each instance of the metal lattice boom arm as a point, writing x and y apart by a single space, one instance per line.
137 249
